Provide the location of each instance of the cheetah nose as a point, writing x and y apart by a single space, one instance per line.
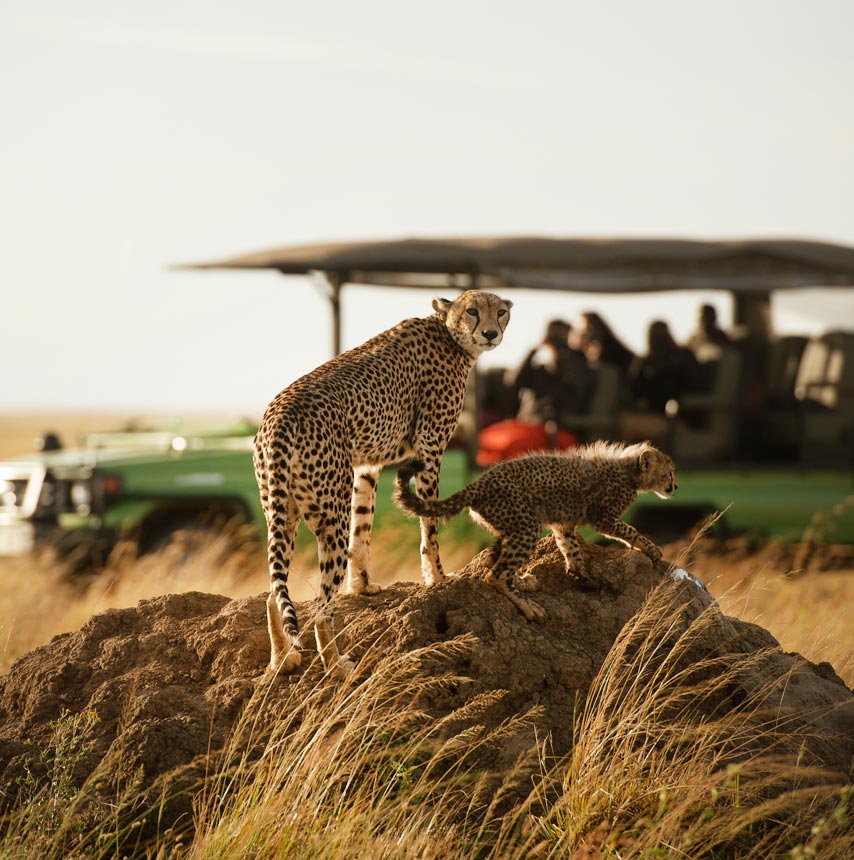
491 334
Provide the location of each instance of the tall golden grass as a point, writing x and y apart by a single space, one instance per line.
807 612
362 771
807 609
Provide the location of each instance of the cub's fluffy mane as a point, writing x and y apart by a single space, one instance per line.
599 452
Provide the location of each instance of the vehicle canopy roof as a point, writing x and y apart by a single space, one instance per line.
590 265
750 269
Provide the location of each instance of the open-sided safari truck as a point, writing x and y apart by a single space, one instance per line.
784 470
782 463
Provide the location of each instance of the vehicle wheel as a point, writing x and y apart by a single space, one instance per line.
665 525
182 538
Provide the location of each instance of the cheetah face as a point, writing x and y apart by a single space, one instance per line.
476 319
659 473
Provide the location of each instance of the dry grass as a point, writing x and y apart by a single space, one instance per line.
803 598
361 772
369 775
807 612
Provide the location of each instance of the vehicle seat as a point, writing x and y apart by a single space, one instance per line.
600 419
712 428
783 364
825 388
780 420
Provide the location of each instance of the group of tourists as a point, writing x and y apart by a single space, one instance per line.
556 381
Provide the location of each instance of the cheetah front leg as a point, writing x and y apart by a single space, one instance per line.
427 487
630 536
362 518
569 544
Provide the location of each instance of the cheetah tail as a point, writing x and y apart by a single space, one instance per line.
406 499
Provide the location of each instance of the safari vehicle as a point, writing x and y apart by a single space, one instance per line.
786 468
140 484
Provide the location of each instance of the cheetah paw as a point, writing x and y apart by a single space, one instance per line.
365 588
527 583
535 613
343 668
289 663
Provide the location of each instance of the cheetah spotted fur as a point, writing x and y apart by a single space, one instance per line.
591 485
323 440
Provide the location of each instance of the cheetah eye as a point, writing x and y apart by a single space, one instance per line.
502 313
472 312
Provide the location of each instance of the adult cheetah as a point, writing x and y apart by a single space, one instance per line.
323 440
590 485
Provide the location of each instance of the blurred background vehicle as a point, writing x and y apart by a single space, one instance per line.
768 437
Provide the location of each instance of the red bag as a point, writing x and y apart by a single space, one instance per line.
509 438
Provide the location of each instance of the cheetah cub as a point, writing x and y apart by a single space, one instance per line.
591 485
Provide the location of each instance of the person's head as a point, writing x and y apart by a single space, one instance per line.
659 338
593 327
598 340
708 318
557 333
48 441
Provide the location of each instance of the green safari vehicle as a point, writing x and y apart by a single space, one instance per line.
140 484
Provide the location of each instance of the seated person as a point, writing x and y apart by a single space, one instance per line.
707 342
665 373
496 396
600 345
554 379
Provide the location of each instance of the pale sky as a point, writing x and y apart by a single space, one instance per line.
135 136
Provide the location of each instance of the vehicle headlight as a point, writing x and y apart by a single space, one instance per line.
8 497
81 496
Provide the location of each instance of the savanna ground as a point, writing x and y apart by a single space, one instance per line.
398 801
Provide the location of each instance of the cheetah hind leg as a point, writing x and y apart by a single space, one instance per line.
513 553
333 566
532 611
338 665
284 648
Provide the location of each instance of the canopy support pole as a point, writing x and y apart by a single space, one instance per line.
753 312
335 283
330 283
476 384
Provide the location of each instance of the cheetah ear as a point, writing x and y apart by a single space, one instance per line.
645 461
507 303
442 306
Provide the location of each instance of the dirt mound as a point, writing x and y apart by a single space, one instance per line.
167 679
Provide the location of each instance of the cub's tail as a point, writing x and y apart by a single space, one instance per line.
405 498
